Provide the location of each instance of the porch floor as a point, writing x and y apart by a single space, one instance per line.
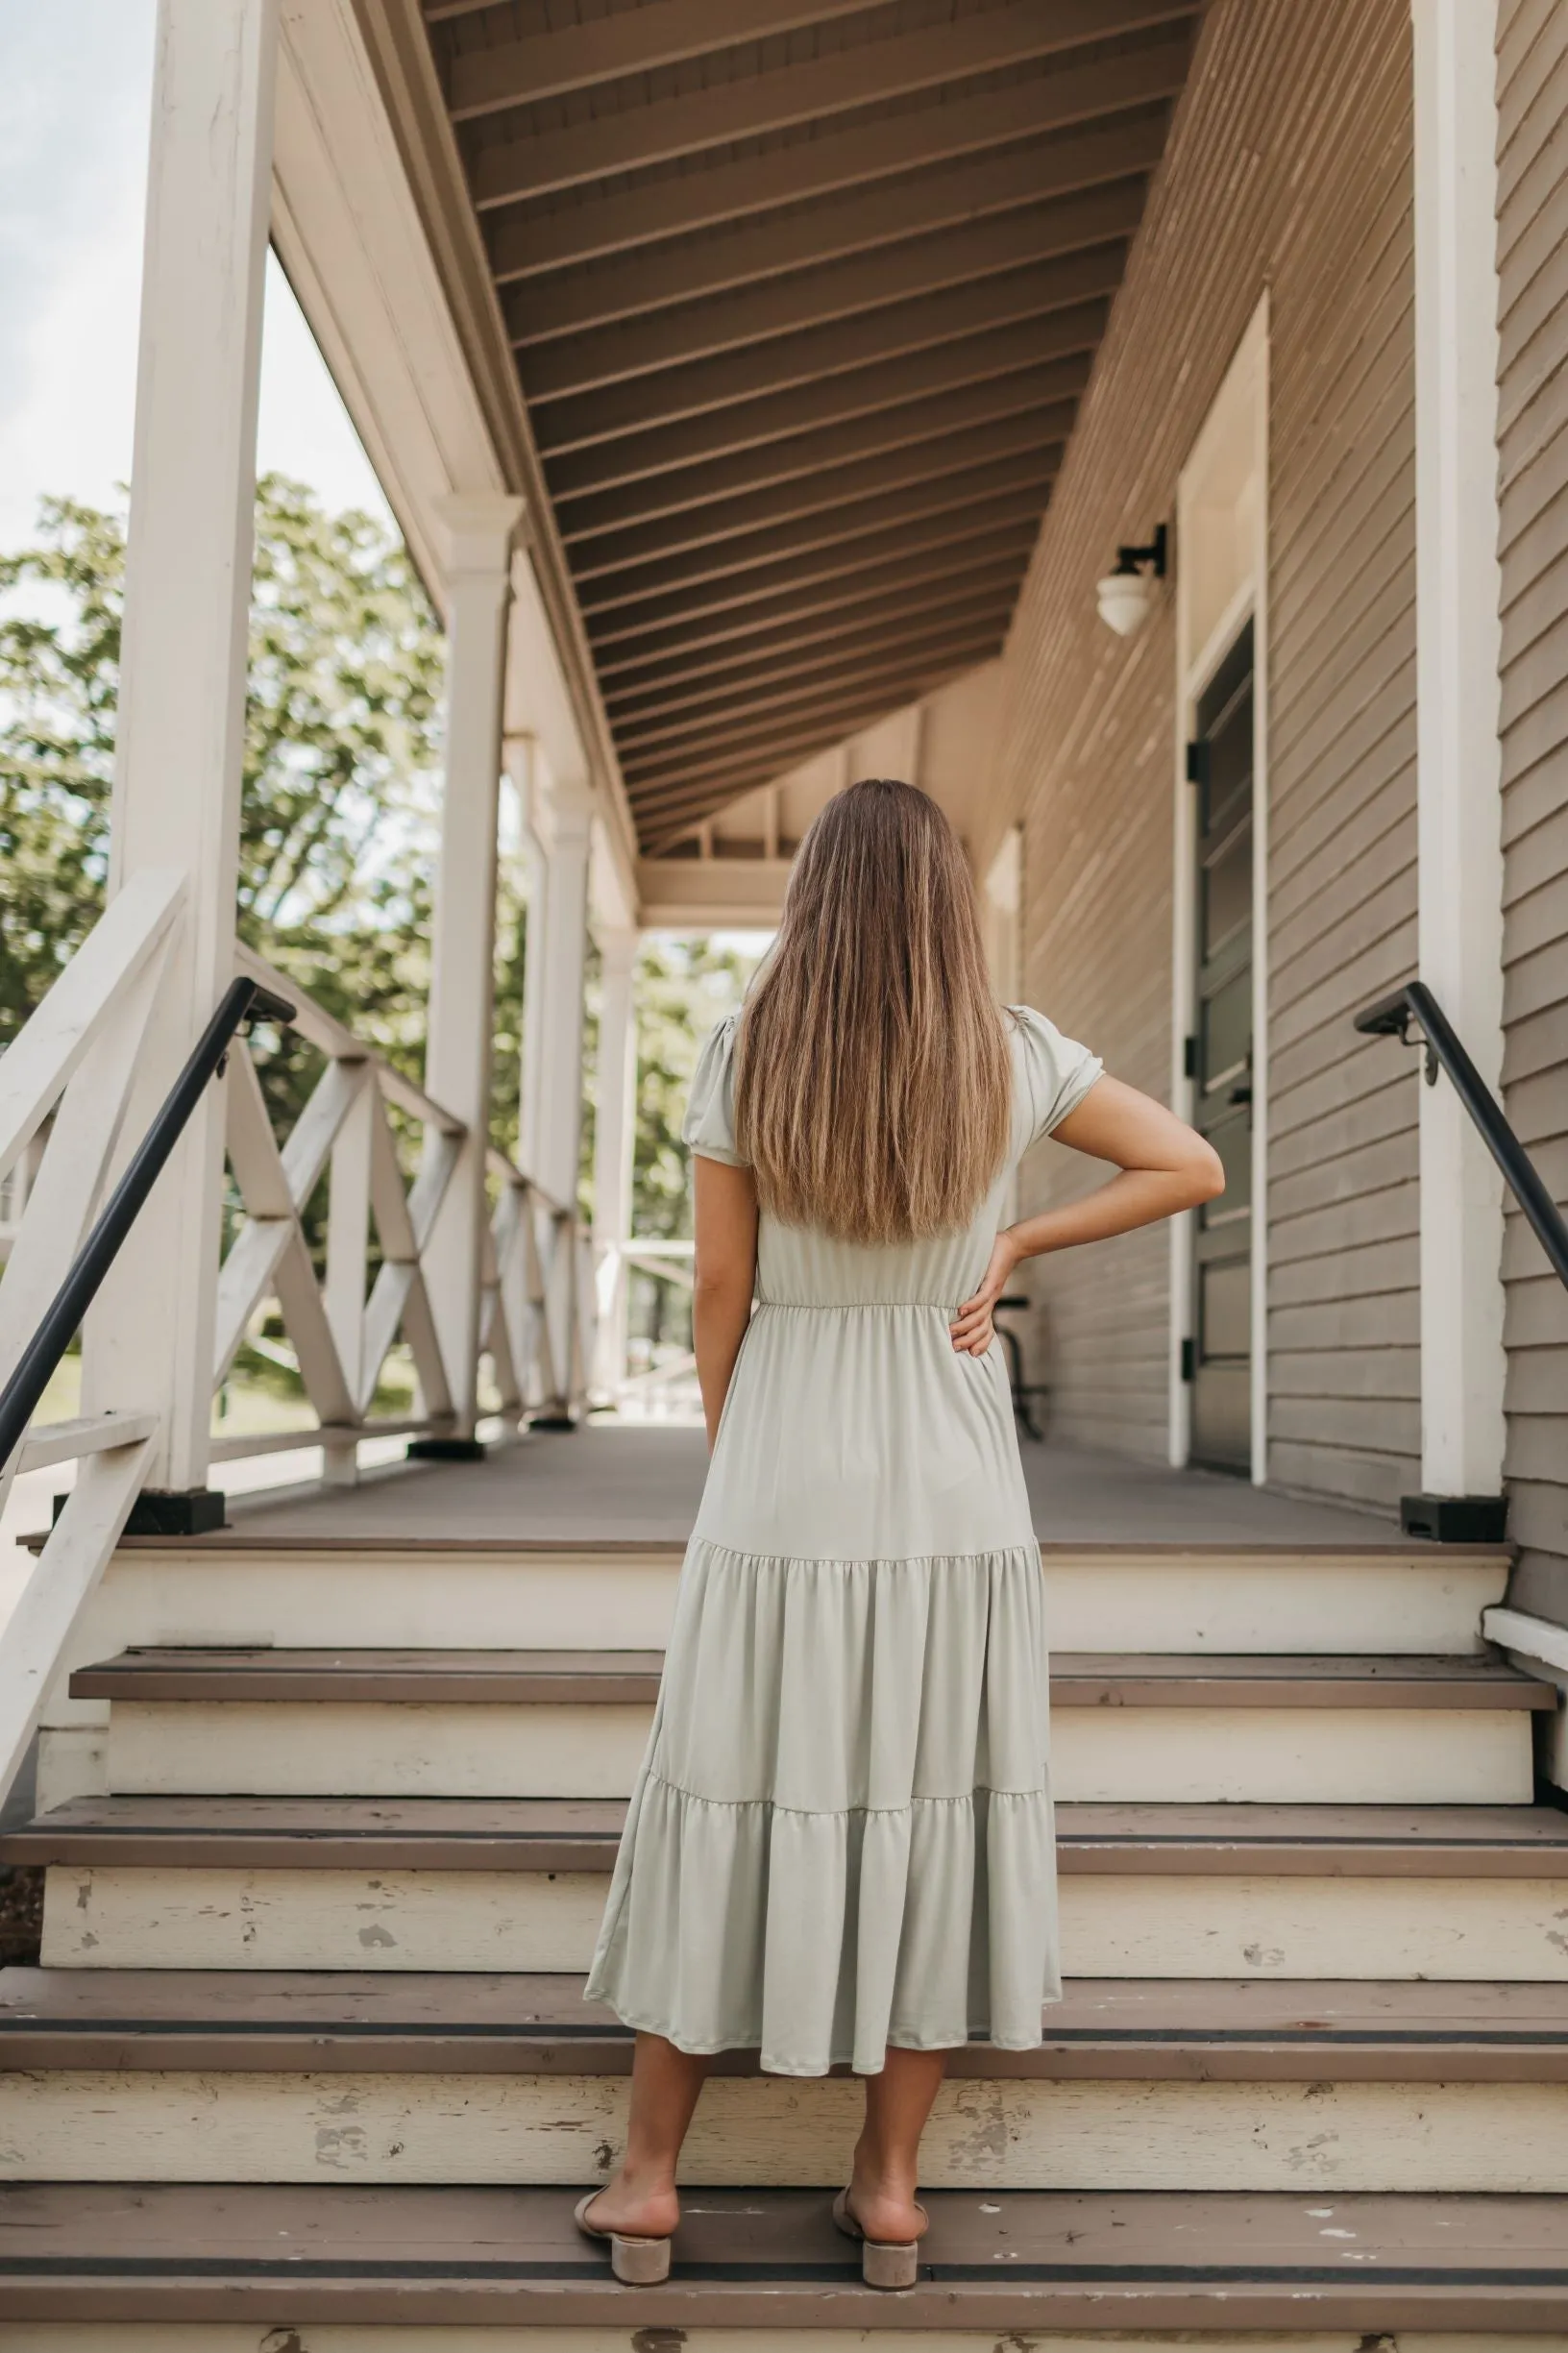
612 1482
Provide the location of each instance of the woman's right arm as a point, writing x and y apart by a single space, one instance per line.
724 1275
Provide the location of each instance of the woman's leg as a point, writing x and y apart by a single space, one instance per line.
888 2153
639 2199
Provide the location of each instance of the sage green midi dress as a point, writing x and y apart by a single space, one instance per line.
841 1834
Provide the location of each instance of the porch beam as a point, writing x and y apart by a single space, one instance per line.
1458 758
609 48
733 703
722 633
635 137
890 214
181 733
848 526
891 332
813 489
1058 349
790 654
458 1055
660 778
750 317
536 244
917 538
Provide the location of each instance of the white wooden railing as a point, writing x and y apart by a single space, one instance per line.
67 1078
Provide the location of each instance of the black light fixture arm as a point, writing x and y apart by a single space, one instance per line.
1152 558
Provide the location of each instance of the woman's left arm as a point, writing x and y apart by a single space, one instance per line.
1162 1166
724 1279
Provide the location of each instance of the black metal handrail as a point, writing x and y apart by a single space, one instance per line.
1391 1017
244 1000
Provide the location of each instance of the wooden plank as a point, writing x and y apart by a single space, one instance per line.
748 2258
630 138
848 225
576 57
750 318
581 1835
525 244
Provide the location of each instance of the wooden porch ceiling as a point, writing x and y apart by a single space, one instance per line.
802 295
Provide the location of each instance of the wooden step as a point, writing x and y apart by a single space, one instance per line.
1147 1892
240 1588
1180 2030
466 2259
576 1724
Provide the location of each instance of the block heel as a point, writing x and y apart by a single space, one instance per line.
883 2263
637 2263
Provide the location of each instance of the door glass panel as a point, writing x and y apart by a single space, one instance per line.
1227 1028
1225 1307
1232 1138
1227 890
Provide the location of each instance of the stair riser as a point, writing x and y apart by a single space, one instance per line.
1122 1925
1327 1755
1251 1604
417 2337
998 2135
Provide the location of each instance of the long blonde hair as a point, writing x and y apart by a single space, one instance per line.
874 1082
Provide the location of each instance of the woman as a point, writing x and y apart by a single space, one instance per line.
840 1846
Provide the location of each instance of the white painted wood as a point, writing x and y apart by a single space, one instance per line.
479 528
43 1058
62 1575
1099 1755
1458 757
1122 1925
992 2134
347 1245
1541 1649
615 1125
183 671
418 2337
89 1434
563 818
73 1762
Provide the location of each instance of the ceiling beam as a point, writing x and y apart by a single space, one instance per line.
810 457
1038 436
891 214
750 317
870 398
809 680
1021 473
653 603
631 139
891 332
525 243
608 48
723 651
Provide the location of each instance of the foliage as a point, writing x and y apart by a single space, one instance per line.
684 985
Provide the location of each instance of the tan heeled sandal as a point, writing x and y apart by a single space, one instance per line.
883 2263
637 2263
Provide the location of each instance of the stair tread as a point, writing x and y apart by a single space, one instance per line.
993 2259
581 1834
586 1677
1181 2028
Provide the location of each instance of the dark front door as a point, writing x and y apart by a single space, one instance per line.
1221 1355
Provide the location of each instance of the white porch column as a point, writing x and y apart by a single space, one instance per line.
462 975
1457 640
615 1116
563 819
182 672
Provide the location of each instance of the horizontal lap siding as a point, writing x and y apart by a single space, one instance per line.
1290 168
1533 449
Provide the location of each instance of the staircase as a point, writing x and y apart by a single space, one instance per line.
328 1832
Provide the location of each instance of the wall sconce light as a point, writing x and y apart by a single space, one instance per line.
1125 597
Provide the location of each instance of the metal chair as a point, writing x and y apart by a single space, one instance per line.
1024 1392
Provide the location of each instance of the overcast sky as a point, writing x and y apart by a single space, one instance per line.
74 99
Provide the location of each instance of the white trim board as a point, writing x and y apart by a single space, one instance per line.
1222 583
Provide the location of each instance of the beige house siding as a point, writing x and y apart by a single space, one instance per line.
1533 443
1289 171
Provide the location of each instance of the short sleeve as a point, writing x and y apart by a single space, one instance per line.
1056 1073
709 1126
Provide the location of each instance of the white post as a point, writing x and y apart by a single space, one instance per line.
563 819
182 672
522 755
1458 645
479 530
614 1135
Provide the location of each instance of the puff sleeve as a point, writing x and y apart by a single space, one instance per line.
709 1126
1057 1072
